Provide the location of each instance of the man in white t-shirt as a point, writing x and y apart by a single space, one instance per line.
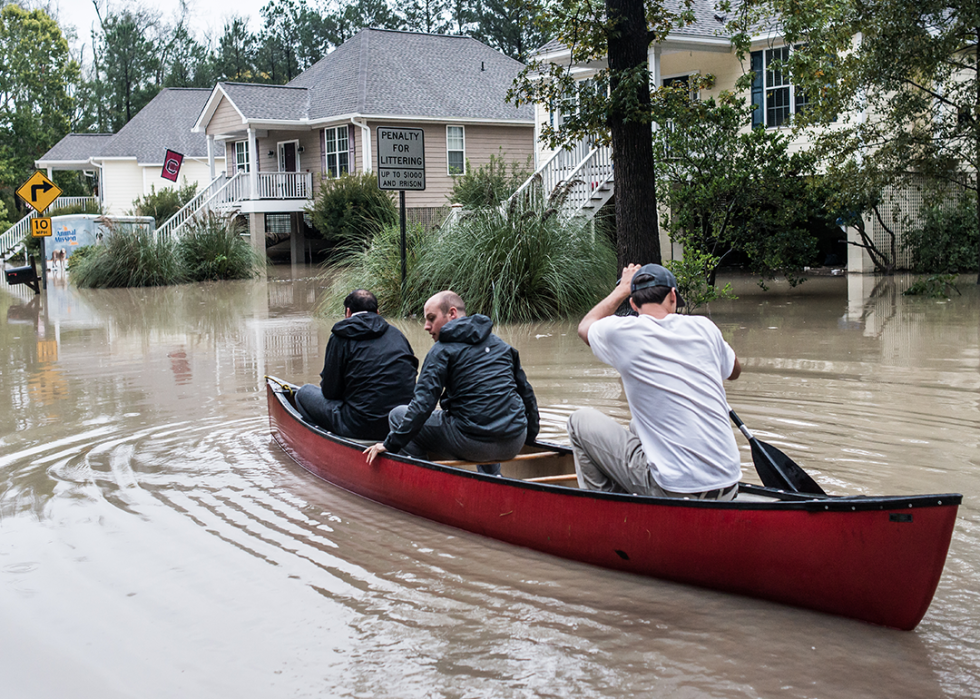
680 443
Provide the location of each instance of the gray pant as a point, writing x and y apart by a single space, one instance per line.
610 458
441 438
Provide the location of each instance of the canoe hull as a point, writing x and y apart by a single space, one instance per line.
874 559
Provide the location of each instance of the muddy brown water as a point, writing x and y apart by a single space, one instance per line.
154 541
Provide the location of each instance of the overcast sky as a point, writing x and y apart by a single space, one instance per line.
204 14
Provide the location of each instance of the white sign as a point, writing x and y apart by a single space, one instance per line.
401 159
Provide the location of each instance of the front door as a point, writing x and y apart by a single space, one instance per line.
287 157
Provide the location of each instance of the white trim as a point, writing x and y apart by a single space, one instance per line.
279 145
211 106
462 171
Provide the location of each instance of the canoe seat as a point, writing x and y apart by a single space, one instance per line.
519 457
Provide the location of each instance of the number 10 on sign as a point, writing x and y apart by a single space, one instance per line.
40 227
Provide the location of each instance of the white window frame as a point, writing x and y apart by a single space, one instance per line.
778 84
279 153
462 139
341 164
240 149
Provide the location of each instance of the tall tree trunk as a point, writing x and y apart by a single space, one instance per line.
637 231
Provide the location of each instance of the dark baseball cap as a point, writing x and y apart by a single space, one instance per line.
659 276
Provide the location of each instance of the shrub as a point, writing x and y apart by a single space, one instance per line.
694 274
86 207
491 184
518 265
935 286
128 259
351 209
214 249
946 243
163 204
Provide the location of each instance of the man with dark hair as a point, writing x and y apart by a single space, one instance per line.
369 368
680 442
488 408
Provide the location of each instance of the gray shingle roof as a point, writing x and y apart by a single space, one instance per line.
76 148
394 73
268 101
708 22
164 123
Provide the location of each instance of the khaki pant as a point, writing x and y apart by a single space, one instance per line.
610 458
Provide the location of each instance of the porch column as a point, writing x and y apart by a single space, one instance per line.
655 68
253 168
211 155
256 230
50 172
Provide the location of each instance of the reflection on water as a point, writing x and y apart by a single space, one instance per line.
155 543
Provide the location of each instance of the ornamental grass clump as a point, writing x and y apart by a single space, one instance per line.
518 263
515 264
128 259
213 249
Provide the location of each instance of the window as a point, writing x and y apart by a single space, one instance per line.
241 156
336 154
684 81
455 150
775 97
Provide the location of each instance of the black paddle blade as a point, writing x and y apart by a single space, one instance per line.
779 471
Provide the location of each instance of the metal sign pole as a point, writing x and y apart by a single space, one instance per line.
44 267
401 202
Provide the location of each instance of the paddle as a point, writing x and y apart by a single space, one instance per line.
775 468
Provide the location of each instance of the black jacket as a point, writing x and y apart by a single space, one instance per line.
370 366
478 380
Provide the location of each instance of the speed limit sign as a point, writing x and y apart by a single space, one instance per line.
40 227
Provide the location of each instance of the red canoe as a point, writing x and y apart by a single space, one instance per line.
877 559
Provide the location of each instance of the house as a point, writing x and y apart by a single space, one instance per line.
284 141
702 47
129 163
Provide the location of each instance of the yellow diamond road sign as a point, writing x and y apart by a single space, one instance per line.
39 192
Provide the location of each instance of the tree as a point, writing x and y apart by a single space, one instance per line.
126 62
37 79
616 107
235 59
506 25
911 65
732 190
427 16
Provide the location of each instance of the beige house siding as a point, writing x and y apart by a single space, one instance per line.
225 119
122 182
480 142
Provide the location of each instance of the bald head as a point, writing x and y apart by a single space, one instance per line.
440 309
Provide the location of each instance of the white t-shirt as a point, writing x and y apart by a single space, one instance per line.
672 370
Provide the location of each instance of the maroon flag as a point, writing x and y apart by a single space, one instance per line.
171 165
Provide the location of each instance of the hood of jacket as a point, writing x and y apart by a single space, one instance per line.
362 326
470 330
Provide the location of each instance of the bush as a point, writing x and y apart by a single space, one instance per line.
935 286
947 241
491 184
694 274
164 204
515 265
213 249
128 259
351 209
86 207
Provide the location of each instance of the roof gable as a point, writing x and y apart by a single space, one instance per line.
164 123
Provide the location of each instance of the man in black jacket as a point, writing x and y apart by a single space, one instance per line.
369 369
488 408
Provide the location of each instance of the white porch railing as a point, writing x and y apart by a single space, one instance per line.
589 184
285 185
554 171
221 192
579 178
14 236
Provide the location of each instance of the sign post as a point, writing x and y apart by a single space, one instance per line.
40 192
401 167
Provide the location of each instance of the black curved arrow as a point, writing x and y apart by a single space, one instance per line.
44 187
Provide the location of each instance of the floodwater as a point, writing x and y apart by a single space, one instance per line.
155 542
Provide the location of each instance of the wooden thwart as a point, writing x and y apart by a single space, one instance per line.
519 457
552 479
